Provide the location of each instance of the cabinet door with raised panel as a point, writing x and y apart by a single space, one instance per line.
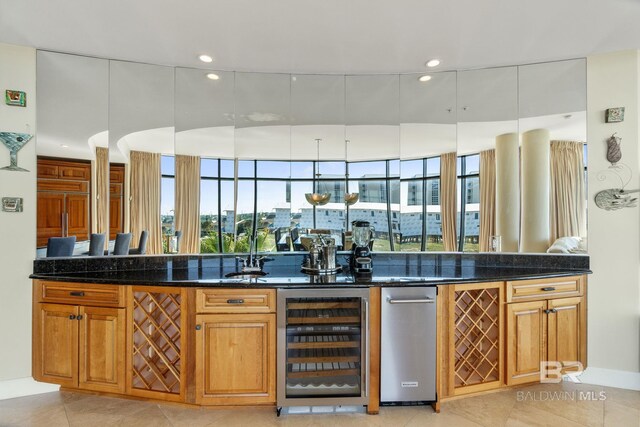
567 331
526 330
77 208
55 344
51 207
235 359
116 216
102 349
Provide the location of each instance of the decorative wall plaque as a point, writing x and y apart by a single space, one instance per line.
12 204
15 98
614 115
14 142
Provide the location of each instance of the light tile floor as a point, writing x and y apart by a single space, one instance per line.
563 404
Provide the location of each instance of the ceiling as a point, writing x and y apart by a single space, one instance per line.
328 36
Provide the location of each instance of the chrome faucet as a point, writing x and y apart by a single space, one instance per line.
252 262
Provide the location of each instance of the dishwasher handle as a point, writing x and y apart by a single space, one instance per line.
425 300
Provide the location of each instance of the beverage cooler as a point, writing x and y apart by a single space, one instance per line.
323 347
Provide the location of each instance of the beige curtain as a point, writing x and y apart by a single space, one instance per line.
102 190
188 203
448 203
145 199
568 204
487 198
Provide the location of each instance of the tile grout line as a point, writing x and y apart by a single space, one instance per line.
66 414
408 421
511 412
164 415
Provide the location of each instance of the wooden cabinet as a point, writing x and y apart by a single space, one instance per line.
526 343
235 347
492 335
566 330
236 301
116 200
55 344
235 359
547 330
102 349
51 208
470 338
63 199
541 289
157 342
64 169
78 346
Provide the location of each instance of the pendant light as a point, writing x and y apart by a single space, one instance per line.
349 198
318 199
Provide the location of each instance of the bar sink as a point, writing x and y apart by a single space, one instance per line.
245 275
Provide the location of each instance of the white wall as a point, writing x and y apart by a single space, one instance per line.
614 236
17 230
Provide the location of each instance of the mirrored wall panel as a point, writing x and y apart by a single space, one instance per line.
141 135
209 161
318 154
427 131
73 122
262 136
553 126
487 115
204 147
373 135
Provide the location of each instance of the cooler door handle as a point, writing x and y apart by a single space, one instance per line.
411 301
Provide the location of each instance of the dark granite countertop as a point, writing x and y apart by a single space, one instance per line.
285 272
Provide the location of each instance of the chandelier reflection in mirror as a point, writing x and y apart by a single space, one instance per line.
318 199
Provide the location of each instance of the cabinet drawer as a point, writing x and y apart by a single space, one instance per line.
63 186
82 294
236 300
46 170
80 172
541 289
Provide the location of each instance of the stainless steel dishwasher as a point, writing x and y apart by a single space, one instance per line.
408 345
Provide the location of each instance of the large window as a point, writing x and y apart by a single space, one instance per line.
210 225
216 206
378 186
421 227
401 200
273 204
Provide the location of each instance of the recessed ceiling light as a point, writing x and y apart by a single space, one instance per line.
64 146
213 76
433 63
205 58
425 78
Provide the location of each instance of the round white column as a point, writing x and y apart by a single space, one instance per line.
536 172
508 191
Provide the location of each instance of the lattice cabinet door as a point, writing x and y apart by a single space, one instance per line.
156 343
476 337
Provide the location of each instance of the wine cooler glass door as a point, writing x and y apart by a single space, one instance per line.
324 347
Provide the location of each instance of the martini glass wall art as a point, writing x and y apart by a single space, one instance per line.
14 142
